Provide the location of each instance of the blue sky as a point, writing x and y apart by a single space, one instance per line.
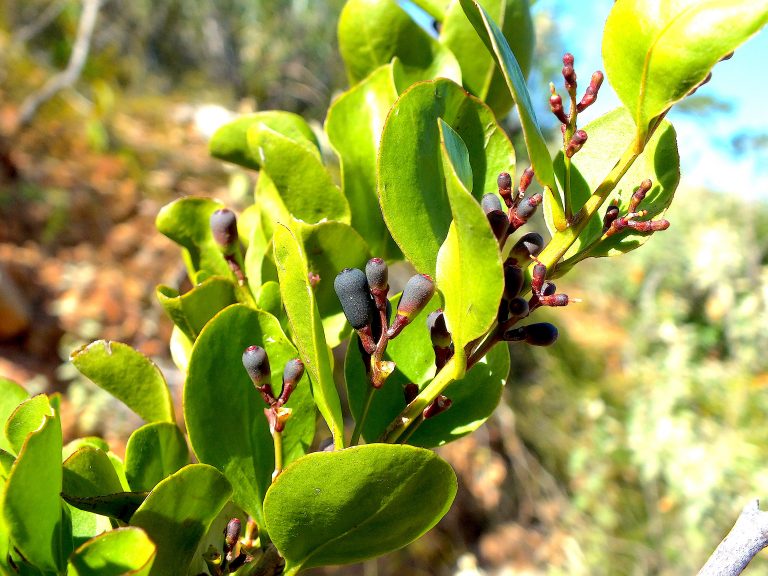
708 157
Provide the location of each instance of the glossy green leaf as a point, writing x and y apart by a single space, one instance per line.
269 299
32 507
234 437
11 395
505 59
354 124
120 506
435 8
656 52
304 185
411 185
350 505
27 417
230 142
124 551
129 376
154 452
186 221
469 269
306 326
192 310
479 72
178 512
258 242
6 463
88 472
609 136
414 358
474 397
75 445
373 32
321 243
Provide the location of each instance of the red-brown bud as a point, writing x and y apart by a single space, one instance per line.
577 141
504 182
556 105
639 195
416 294
410 391
438 406
256 364
294 370
590 95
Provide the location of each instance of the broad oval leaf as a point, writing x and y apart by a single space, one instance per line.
474 397
609 136
11 395
32 508
655 51
411 185
479 72
27 417
469 269
178 512
129 376
234 436
120 506
192 310
354 125
88 472
497 44
154 452
350 505
373 32
123 551
230 142
186 221
306 326
303 184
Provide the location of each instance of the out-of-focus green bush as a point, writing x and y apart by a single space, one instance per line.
658 431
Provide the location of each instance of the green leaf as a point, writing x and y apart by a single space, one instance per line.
656 52
178 512
129 376
474 397
32 507
124 551
75 445
120 506
479 72
306 327
469 269
186 221
411 185
609 136
230 142
321 244
304 185
347 506
88 472
11 395
373 32
154 452
354 124
192 310
269 299
234 436
26 418
505 59
258 242
435 8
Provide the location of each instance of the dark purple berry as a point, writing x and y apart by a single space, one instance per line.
377 273
416 294
513 280
490 202
353 292
224 229
438 331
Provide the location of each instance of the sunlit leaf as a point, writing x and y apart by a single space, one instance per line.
123 551
154 452
190 311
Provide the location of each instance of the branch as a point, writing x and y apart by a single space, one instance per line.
45 18
747 537
71 73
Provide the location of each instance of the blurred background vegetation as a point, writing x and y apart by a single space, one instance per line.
627 448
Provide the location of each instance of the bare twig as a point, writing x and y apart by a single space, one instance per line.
42 22
71 73
747 537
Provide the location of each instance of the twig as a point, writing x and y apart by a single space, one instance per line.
71 73
747 537
45 18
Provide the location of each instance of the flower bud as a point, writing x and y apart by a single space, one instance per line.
569 74
556 105
590 95
294 370
410 392
505 187
438 331
223 224
416 294
256 364
610 215
513 280
577 141
538 277
353 292
524 211
231 535
526 179
377 273
490 203
438 406
639 195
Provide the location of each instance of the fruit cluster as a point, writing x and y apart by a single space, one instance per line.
256 363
